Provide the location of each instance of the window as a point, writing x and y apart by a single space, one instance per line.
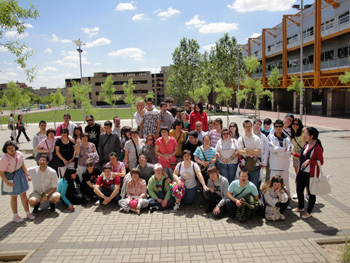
343 52
97 93
344 18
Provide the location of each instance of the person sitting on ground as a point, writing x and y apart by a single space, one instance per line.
275 194
89 180
136 194
159 191
66 188
107 187
85 149
145 168
45 184
240 197
216 195
117 167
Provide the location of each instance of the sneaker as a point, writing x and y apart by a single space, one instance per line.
283 217
17 219
295 196
30 216
97 202
298 210
289 207
306 215
52 207
176 207
153 208
36 208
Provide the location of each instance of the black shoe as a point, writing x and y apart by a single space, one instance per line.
36 208
12 139
153 208
208 210
52 207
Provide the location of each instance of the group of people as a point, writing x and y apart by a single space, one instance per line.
171 157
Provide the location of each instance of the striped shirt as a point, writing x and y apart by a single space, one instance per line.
215 137
209 154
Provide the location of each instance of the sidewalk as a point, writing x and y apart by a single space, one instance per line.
94 234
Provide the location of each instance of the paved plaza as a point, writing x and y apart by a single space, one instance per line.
95 234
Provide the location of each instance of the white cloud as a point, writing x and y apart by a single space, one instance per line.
125 7
47 69
3 49
27 25
208 47
170 12
48 50
71 59
195 22
134 53
13 34
99 42
151 69
221 27
261 5
98 64
57 39
138 17
6 77
254 35
91 31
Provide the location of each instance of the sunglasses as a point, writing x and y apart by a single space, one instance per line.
296 123
89 165
278 126
226 133
89 120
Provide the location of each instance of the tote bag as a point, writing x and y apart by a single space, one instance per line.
319 185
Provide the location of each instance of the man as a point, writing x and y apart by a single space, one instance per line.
167 119
188 107
66 123
266 127
41 135
12 126
192 143
93 130
264 153
45 182
216 196
280 152
145 168
151 121
108 142
117 167
287 126
237 190
200 132
107 187
249 146
117 127
169 101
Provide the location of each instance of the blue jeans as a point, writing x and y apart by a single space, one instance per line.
189 196
153 202
227 170
108 192
254 176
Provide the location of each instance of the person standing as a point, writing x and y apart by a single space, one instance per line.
151 121
38 137
198 115
12 127
66 123
108 142
167 118
93 130
169 102
117 128
21 128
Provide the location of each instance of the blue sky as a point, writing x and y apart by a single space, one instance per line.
130 35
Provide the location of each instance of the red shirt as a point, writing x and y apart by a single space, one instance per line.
195 116
103 181
166 148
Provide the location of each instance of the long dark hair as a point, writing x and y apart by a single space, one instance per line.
314 133
300 128
68 174
200 106
236 135
269 184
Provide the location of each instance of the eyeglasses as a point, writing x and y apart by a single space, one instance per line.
89 165
62 132
278 126
226 133
169 101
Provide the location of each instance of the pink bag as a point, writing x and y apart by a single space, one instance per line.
133 203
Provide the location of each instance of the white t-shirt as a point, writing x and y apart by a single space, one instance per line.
250 143
188 175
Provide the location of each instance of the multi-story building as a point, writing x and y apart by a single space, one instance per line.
44 91
326 45
144 82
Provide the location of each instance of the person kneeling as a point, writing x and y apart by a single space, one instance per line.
276 195
106 187
216 195
45 184
242 196
136 194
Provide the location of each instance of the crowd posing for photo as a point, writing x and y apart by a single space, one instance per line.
173 158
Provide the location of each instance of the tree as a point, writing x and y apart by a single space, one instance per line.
151 95
130 98
274 82
12 18
81 97
13 96
108 92
183 73
345 79
224 94
57 99
295 85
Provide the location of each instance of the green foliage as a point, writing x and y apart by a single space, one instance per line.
12 18
13 96
151 95
296 85
183 73
108 92
273 80
80 96
200 93
130 98
345 79
346 253
57 99
224 94
251 64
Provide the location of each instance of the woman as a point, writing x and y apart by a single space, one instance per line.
84 149
65 151
234 130
89 180
275 194
187 172
132 149
78 131
198 115
48 145
125 133
67 189
205 155
185 121
150 149
136 193
308 157
215 134
166 147
21 128
140 106
227 155
180 136
15 179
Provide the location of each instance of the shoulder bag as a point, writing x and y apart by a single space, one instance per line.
201 166
250 162
319 185
272 213
37 157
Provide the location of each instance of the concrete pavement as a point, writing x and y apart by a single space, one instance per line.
94 234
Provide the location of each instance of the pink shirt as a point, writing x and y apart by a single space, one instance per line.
118 168
50 143
166 148
137 190
8 163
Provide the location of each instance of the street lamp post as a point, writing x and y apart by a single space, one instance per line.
301 7
79 44
238 107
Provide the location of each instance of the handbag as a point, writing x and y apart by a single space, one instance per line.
319 185
272 213
250 162
201 166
